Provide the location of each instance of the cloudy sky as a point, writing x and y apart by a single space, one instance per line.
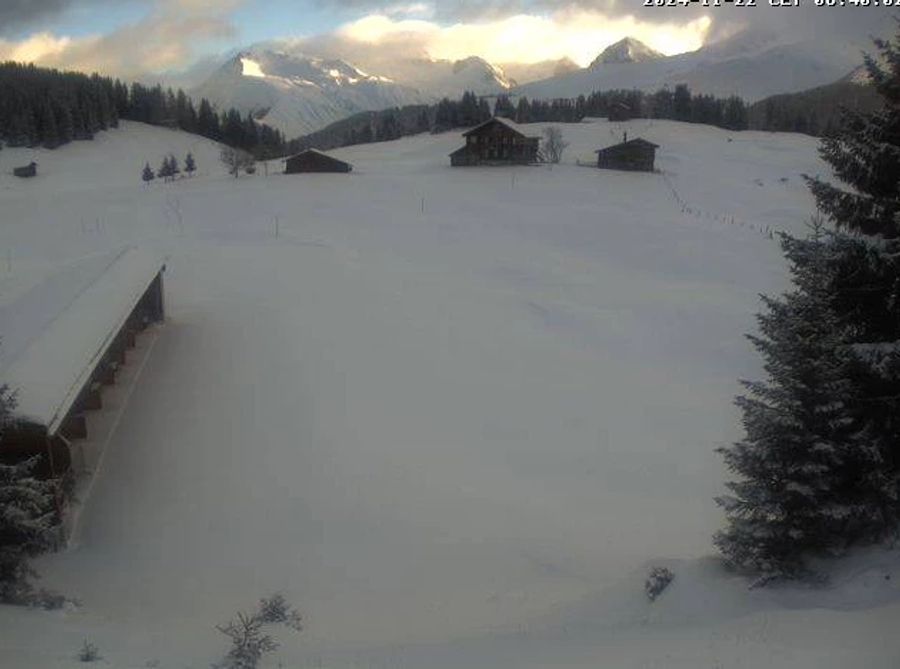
135 38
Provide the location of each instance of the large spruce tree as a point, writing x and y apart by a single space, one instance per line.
865 157
819 467
795 493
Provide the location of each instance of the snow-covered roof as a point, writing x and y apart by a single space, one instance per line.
315 152
637 141
53 335
515 127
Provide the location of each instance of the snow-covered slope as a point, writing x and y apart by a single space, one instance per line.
450 413
752 64
626 50
298 94
440 78
524 73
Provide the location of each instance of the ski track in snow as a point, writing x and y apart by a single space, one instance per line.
452 437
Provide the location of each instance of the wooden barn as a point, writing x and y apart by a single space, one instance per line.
637 155
26 171
497 141
620 111
66 338
313 160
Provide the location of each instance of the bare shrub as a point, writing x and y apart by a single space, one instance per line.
236 160
248 643
554 145
89 652
275 609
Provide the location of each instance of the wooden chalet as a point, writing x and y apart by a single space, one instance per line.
63 341
26 171
313 160
637 155
497 141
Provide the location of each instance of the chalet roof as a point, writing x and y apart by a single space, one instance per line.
461 150
637 141
515 127
54 333
317 153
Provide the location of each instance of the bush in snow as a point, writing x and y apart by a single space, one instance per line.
27 517
88 653
657 581
554 145
248 643
275 609
236 160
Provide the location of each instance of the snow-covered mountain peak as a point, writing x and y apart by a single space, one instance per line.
478 68
627 50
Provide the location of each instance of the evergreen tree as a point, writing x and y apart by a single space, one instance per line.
147 174
681 103
523 111
799 492
165 170
503 107
173 166
27 516
865 155
820 463
189 165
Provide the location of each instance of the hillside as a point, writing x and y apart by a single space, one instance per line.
813 111
452 414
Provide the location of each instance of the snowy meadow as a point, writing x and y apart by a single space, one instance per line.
453 415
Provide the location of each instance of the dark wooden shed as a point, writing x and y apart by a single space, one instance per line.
313 160
26 171
497 141
636 155
620 111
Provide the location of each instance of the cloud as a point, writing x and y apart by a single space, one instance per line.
165 39
15 14
802 21
526 38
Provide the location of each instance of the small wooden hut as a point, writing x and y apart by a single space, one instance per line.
637 155
313 160
620 111
497 141
26 171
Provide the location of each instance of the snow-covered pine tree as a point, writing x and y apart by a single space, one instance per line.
147 174
164 172
173 165
865 155
793 498
189 165
27 516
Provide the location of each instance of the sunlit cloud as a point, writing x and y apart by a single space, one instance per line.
525 38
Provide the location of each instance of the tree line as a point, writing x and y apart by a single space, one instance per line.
46 107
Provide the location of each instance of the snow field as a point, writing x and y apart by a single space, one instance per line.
451 437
